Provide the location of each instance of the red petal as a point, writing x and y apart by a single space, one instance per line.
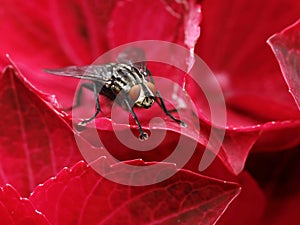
240 55
283 211
233 153
81 196
15 210
236 147
175 21
278 175
278 136
249 206
166 139
49 34
76 35
34 142
233 43
286 47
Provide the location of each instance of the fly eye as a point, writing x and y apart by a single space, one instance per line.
152 87
134 93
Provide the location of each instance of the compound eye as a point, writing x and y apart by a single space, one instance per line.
152 87
134 93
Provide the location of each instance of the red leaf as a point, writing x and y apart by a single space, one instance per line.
15 210
286 47
81 196
34 142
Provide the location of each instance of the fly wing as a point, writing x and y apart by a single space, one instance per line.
133 56
100 73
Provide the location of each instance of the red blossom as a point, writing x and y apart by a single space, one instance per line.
37 139
286 46
233 44
278 176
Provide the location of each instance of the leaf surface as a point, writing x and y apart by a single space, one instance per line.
34 142
81 196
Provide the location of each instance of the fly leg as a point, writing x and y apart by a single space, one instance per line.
163 105
143 136
167 112
92 87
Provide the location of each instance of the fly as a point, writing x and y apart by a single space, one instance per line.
127 83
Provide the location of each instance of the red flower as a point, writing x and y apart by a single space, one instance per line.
233 44
37 140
